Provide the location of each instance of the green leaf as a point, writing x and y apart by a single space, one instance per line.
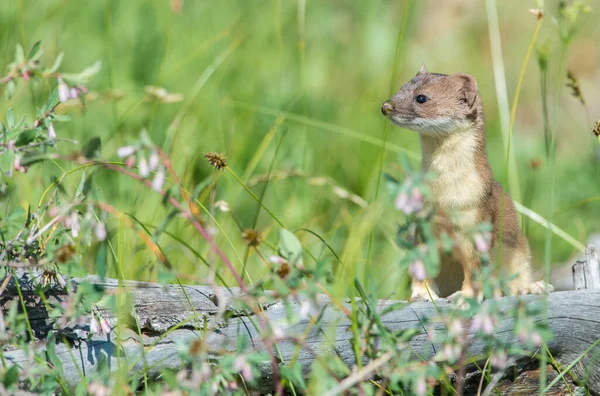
52 101
168 193
85 75
10 119
289 246
203 185
19 54
26 137
145 138
161 227
91 148
32 158
61 117
294 375
80 187
280 287
51 353
21 122
10 376
34 50
57 63
87 187
11 87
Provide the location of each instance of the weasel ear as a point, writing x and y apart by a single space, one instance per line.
468 88
422 70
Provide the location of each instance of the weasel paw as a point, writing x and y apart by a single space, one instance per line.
539 287
421 295
460 297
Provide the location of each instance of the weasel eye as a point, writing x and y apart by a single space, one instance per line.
421 99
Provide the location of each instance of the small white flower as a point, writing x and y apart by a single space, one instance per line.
104 326
143 168
278 332
63 91
159 180
223 206
100 231
125 151
482 241
74 93
536 338
94 325
421 386
499 359
483 322
277 260
60 280
304 309
455 328
17 163
72 221
51 132
410 203
241 365
154 161
417 270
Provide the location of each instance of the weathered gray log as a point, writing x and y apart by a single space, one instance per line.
573 317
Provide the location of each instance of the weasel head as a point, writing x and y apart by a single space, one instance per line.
435 104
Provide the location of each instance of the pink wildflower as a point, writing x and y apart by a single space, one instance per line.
417 270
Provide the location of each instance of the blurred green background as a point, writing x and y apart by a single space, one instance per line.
310 77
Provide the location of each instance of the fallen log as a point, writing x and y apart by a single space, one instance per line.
165 315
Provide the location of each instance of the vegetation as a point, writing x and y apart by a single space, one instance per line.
240 144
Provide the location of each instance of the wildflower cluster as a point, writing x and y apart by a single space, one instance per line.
24 143
148 161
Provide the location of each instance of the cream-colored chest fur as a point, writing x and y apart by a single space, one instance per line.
458 187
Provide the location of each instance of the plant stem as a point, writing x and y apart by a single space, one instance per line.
501 92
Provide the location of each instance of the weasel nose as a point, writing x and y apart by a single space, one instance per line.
386 108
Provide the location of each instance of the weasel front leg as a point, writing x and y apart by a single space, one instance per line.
470 261
520 263
422 291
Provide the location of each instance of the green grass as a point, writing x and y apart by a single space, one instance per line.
318 70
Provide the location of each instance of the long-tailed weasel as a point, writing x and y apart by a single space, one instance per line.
447 112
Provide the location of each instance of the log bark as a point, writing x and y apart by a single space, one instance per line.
573 317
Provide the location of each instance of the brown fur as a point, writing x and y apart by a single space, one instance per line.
465 193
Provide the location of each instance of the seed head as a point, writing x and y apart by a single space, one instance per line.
65 253
252 237
596 130
284 270
537 12
216 160
575 88
535 164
